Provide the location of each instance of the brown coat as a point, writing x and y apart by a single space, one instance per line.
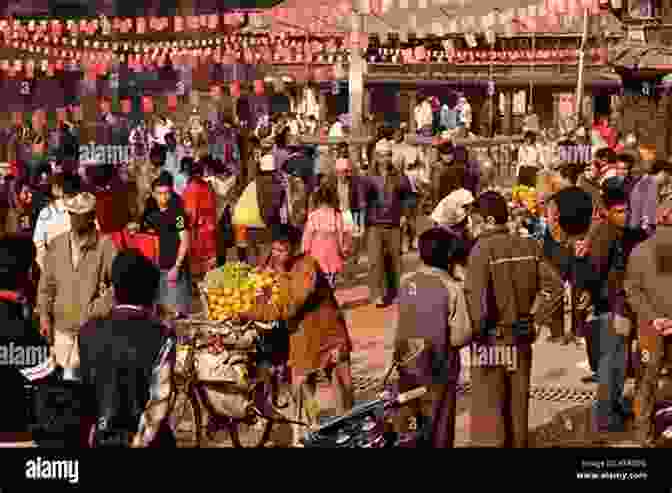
314 310
525 285
68 296
648 276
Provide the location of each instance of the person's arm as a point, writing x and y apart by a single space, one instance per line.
295 288
551 293
160 391
634 287
102 303
476 282
183 231
46 295
40 241
307 236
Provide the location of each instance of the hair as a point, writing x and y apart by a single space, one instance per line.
185 164
439 248
72 184
165 179
530 135
452 178
628 159
57 179
285 233
493 204
158 153
572 171
135 278
613 192
575 210
326 194
659 166
606 154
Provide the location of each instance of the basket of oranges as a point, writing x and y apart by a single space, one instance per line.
236 287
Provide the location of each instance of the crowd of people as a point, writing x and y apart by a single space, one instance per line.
94 248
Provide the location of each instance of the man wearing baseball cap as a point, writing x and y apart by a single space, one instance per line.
76 279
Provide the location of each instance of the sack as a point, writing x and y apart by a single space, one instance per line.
246 211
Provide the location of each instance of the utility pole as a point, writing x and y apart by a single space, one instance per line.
582 64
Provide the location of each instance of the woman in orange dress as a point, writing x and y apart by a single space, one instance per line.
312 320
200 204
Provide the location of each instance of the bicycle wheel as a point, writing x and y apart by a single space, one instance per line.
186 420
251 434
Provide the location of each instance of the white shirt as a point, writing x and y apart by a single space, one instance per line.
336 130
52 221
423 115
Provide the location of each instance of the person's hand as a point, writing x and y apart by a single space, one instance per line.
582 248
45 328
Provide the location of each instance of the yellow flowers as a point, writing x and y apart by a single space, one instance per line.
236 288
526 197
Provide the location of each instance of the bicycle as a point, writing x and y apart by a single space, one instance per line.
191 400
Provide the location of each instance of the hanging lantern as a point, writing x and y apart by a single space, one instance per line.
147 104
171 102
259 87
17 118
126 106
105 106
216 92
234 89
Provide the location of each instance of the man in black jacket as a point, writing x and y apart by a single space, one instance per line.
20 343
127 361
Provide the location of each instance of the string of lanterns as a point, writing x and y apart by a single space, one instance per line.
104 26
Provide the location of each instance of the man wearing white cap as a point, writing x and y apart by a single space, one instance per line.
75 283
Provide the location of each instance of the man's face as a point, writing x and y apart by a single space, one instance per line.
447 158
162 196
616 215
280 252
26 195
57 192
622 169
82 223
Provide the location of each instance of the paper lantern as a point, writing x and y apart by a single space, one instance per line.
420 53
38 119
17 118
60 115
126 106
147 104
234 89
171 102
259 87
105 106
216 92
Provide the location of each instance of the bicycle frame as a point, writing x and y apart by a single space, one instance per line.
196 392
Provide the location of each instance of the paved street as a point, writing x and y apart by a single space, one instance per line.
559 401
